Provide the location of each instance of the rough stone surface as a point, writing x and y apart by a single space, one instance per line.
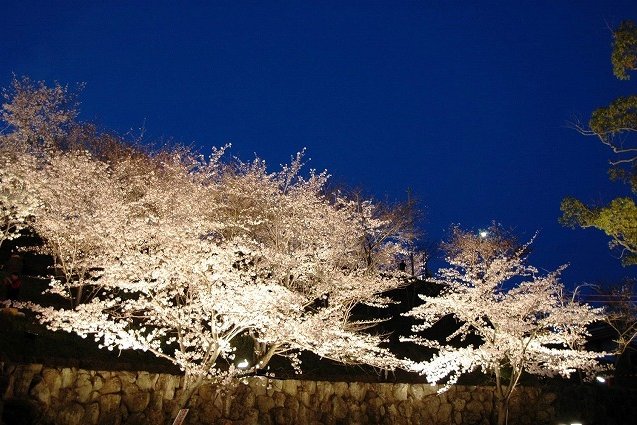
112 385
83 387
68 377
71 414
74 396
109 404
135 399
53 381
91 414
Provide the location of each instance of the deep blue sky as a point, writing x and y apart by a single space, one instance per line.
466 103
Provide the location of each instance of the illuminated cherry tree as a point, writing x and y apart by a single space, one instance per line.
177 254
32 114
17 203
80 217
520 317
313 244
185 266
38 114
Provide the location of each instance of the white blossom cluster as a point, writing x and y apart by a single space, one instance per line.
177 254
511 319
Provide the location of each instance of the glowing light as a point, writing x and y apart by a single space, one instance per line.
243 364
600 379
483 233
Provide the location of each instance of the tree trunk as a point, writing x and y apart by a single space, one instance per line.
184 397
501 408
263 361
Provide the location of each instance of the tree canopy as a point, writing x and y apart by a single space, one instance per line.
178 254
523 321
624 56
615 126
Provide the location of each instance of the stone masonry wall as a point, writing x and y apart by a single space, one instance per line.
39 394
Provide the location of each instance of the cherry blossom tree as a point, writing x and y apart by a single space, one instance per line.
182 260
32 114
17 203
312 244
80 217
177 254
520 318
38 114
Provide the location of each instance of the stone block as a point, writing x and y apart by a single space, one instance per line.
251 417
417 391
91 414
444 413
405 409
71 414
276 385
109 404
289 386
145 381
478 395
357 391
123 411
156 402
392 410
41 393
374 404
24 374
549 398
432 404
98 382
341 389
279 399
83 387
265 419
206 392
265 403
458 404
282 416
304 398
466 394
259 386
309 386
400 392
111 385
292 404
371 394
135 399
473 416
248 398
474 406
168 384
68 376
53 380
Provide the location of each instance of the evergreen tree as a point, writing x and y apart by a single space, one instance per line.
614 125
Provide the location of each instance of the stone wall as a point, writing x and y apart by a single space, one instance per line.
40 394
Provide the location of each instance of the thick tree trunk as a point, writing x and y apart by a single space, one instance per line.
186 394
500 410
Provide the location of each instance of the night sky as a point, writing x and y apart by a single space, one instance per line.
466 103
